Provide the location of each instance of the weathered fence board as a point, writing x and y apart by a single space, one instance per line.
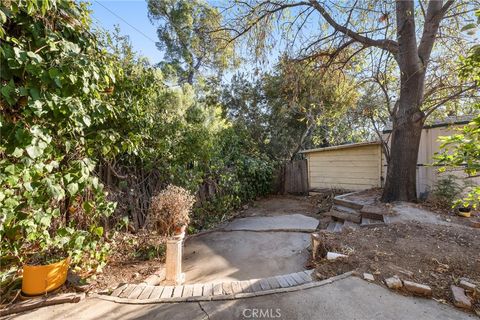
293 178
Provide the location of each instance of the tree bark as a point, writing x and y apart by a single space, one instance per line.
408 119
400 184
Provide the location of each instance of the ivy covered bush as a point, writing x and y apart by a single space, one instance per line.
81 114
54 81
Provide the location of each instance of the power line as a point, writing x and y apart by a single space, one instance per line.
134 28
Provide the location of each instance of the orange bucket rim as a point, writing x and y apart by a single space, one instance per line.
33 266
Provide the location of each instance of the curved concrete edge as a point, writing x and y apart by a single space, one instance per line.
308 285
269 230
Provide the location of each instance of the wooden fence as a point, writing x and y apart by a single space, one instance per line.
292 178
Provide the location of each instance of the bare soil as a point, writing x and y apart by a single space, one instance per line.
279 205
134 257
434 255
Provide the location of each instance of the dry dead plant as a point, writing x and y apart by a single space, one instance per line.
170 210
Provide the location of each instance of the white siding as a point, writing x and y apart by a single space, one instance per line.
427 175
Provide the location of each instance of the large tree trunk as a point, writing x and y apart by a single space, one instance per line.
401 175
407 117
407 125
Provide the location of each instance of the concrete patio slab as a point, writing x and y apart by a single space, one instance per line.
290 222
242 255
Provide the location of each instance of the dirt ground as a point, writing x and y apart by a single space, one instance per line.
434 255
278 205
436 209
134 257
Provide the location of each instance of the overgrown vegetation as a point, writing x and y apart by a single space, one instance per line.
90 132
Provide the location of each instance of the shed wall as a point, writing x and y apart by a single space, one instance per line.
354 168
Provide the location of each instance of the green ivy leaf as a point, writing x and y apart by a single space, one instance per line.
98 231
72 188
17 153
33 151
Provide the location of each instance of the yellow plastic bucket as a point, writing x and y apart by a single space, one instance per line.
44 278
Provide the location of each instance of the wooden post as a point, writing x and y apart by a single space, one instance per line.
173 264
315 238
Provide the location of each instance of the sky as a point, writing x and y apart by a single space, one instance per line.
131 16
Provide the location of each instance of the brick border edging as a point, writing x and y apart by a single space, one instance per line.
304 286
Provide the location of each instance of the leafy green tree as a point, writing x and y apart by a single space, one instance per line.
292 107
308 106
463 149
412 35
186 35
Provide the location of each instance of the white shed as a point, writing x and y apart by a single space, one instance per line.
360 166
356 166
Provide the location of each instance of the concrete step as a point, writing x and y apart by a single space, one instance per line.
331 226
355 217
347 203
372 212
371 222
351 225
335 226
338 227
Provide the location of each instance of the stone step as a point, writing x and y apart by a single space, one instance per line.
340 200
339 207
372 212
338 227
335 226
331 226
351 225
371 222
355 217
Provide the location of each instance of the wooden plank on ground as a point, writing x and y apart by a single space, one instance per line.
157 292
42 302
197 290
136 292
146 292
177 291
187 290
167 292
119 290
125 293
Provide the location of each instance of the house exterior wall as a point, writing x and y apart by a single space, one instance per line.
353 168
428 175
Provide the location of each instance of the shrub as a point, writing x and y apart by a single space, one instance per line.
446 191
170 210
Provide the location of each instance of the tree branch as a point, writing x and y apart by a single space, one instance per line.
435 14
451 97
385 44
